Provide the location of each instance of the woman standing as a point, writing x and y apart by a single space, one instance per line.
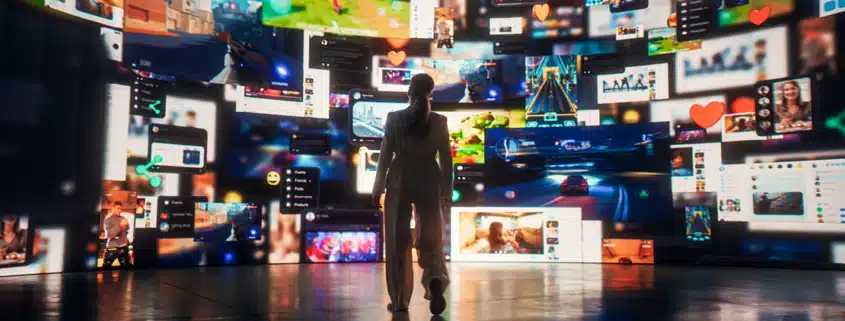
409 172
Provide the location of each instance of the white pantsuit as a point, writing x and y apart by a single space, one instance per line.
409 172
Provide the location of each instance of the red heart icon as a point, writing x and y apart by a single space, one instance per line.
758 17
707 116
743 105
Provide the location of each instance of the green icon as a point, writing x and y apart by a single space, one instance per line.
155 181
456 195
154 105
836 122
643 194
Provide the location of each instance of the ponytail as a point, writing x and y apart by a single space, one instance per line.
418 92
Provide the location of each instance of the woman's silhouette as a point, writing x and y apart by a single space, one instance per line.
409 172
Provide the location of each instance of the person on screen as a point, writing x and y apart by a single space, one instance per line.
408 173
791 109
680 166
116 229
13 241
499 241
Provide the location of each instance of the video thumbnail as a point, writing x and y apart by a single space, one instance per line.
625 251
617 173
640 83
285 232
444 27
699 210
733 61
466 130
226 222
48 253
603 22
739 14
219 41
369 117
552 84
518 234
352 17
106 12
682 128
785 106
342 247
14 246
117 229
783 203
664 41
367 164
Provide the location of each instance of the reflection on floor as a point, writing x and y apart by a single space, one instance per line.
488 291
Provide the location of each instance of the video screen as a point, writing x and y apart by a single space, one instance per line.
613 173
628 251
342 247
218 41
682 127
226 222
341 236
785 106
382 19
733 61
640 83
277 101
699 212
106 12
48 253
552 83
14 247
739 14
117 229
516 234
339 100
285 231
444 27
603 22
262 143
467 127
196 113
369 112
695 167
367 165
774 195
664 41
456 81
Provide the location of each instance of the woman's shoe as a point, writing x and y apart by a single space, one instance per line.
391 309
438 302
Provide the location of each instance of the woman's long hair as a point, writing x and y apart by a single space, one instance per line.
783 96
495 238
420 89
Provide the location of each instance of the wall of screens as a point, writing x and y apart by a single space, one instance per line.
224 132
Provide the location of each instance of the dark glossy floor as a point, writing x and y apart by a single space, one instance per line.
489 291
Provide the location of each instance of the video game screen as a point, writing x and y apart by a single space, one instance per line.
552 83
218 41
226 222
456 81
613 173
369 18
262 143
467 127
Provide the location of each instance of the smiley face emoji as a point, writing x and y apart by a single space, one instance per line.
273 178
